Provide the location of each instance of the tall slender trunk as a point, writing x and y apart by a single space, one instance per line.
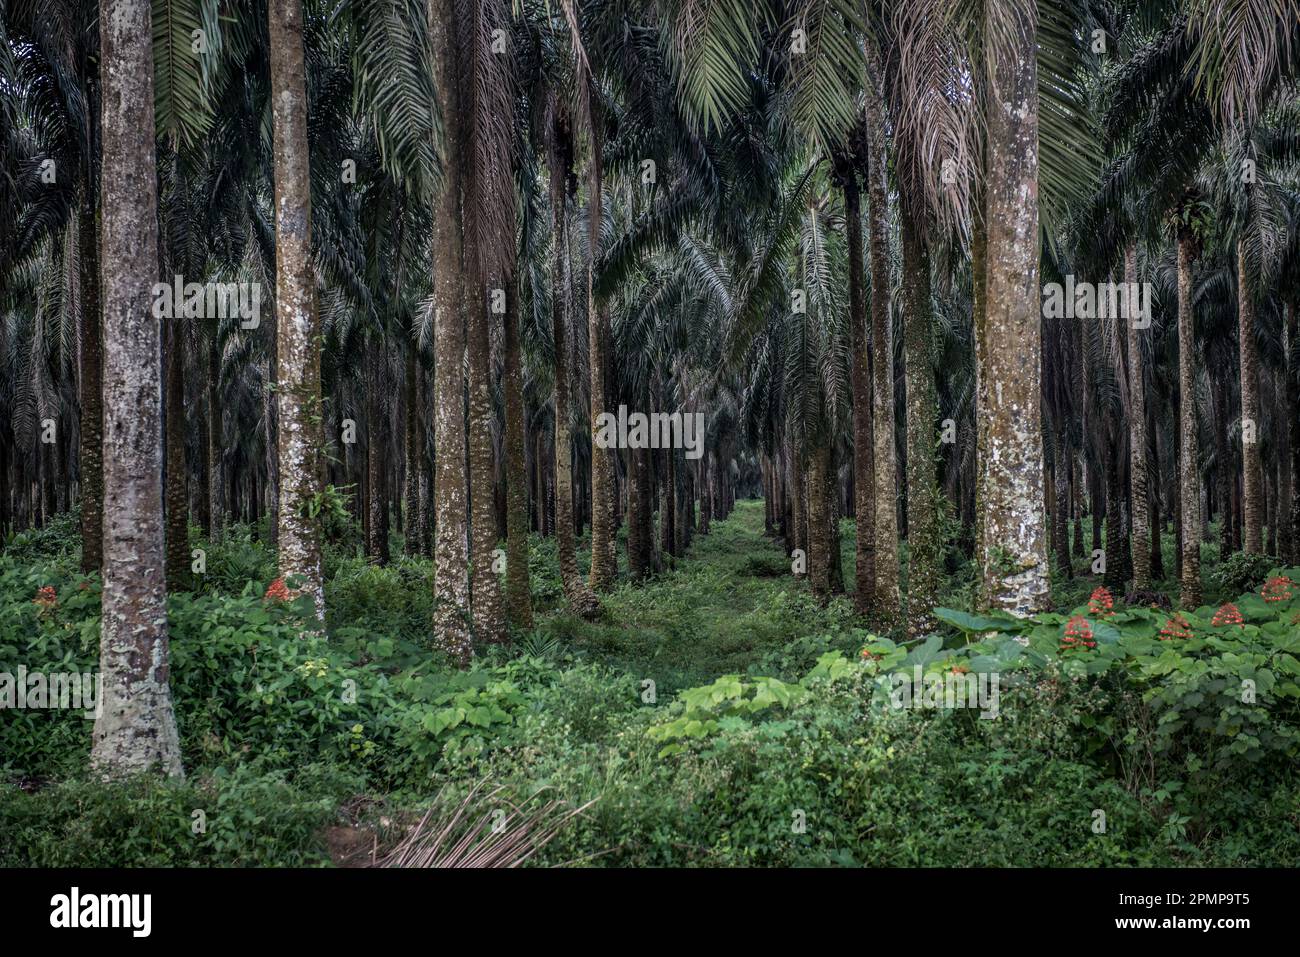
604 563
1252 470
1224 476
376 476
667 507
643 511
1137 475
798 540
1291 340
425 460
412 447
864 466
1155 497
706 498
819 557
90 443
451 584
580 597
1188 473
519 603
486 592
298 388
884 455
923 543
136 728
1014 564
213 437
1061 483
178 546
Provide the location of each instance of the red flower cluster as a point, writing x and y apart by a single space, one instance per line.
1277 588
1176 627
1078 634
1101 603
278 591
1227 615
46 597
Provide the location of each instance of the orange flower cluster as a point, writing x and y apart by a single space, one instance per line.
1176 627
278 591
1228 614
1078 634
1101 603
46 597
1277 588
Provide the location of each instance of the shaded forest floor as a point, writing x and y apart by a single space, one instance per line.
716 714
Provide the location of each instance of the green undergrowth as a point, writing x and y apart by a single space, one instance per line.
716 715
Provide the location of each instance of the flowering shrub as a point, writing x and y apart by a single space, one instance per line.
1101 603
1176 627
1078 634
1277 588
1228 614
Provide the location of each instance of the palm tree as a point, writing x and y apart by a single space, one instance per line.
136 730
884 454
1014 566
559 162
1188 472
451 549
298 379
488 200
1137 392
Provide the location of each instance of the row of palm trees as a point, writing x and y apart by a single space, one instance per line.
826 224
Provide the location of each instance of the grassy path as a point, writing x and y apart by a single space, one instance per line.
729 603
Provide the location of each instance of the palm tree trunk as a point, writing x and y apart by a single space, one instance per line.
576 590
519 603
1224 475
411 527
136 728
864 466
1014 565
1252 477
884 455
178 547
1141 520
90 443
213 438
819 557
1188 472
604 563
486 600
1061 520
922 416
706 497
376 476
298 388
451 584
1291 340
1157 510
